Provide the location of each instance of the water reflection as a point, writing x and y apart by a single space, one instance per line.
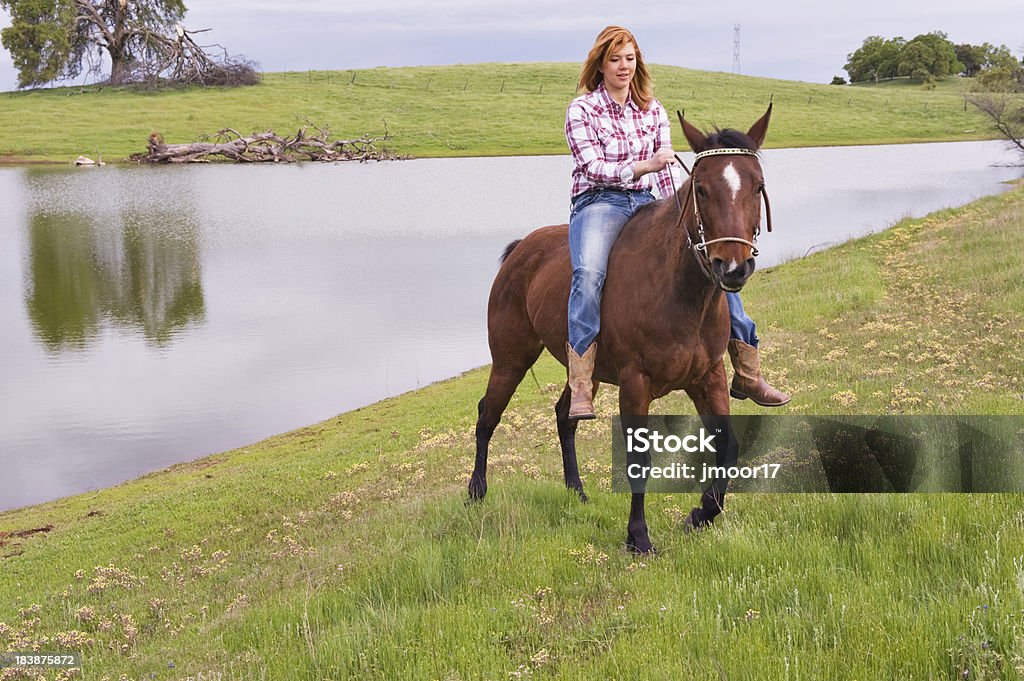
63 300
140 272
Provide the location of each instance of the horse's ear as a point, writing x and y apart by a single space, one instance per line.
696 139
759 129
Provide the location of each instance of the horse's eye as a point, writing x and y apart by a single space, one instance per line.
700 192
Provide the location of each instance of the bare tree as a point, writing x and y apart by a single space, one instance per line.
1005 111
179 59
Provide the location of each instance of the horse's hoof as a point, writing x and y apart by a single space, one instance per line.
694 523
640 548
477 490
580 493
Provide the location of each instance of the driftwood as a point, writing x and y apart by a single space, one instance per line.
267 147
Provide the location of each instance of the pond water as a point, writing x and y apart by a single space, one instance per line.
155 315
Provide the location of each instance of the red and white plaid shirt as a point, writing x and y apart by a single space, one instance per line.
607 138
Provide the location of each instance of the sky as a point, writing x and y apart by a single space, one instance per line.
789 39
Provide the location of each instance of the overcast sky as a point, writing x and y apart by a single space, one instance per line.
789 39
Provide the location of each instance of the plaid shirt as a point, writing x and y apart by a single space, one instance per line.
607 138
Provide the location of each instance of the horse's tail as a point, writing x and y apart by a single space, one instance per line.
508 250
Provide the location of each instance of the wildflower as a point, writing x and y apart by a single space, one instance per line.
846 398
540 658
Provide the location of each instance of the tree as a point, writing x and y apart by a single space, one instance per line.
929 56
971 56
52 39
863 63
1000 71
876 58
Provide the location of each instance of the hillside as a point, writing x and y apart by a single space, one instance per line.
465 110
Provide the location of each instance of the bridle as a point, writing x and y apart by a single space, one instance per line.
700 248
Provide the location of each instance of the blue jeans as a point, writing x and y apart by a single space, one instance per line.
741 327
595 221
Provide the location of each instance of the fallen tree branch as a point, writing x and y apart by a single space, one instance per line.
268 147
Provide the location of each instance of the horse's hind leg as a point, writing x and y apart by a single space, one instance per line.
567 441
507 372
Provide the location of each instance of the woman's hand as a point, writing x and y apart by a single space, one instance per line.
662 158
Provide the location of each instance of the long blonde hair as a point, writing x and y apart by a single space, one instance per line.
611 39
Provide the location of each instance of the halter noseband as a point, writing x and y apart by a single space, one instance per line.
701 248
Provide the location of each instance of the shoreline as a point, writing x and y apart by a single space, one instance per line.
15 162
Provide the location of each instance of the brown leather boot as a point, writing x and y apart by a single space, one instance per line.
747 380
581 371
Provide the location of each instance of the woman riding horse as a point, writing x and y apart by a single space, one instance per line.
619 135
666 322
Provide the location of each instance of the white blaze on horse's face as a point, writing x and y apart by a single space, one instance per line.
732 178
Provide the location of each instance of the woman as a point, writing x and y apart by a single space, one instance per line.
620 139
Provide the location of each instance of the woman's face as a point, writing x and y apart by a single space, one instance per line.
619 67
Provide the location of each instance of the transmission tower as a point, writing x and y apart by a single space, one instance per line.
736 48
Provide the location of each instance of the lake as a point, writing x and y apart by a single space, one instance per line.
153 315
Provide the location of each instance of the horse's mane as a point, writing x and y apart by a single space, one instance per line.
729 138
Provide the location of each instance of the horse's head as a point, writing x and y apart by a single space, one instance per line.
724 196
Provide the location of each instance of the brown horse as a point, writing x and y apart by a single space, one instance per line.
664 318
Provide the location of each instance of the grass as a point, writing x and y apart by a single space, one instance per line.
466 110
345 550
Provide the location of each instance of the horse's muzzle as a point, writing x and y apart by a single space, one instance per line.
732 276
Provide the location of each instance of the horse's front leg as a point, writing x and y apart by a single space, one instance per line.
634 405
711 397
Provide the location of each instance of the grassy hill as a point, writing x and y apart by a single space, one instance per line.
345 550
466 110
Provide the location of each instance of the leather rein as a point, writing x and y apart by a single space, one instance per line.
700 248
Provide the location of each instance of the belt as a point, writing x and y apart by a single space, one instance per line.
601 190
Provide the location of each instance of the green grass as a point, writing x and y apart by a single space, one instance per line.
467 110
345 550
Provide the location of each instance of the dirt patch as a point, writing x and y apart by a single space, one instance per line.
6 537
